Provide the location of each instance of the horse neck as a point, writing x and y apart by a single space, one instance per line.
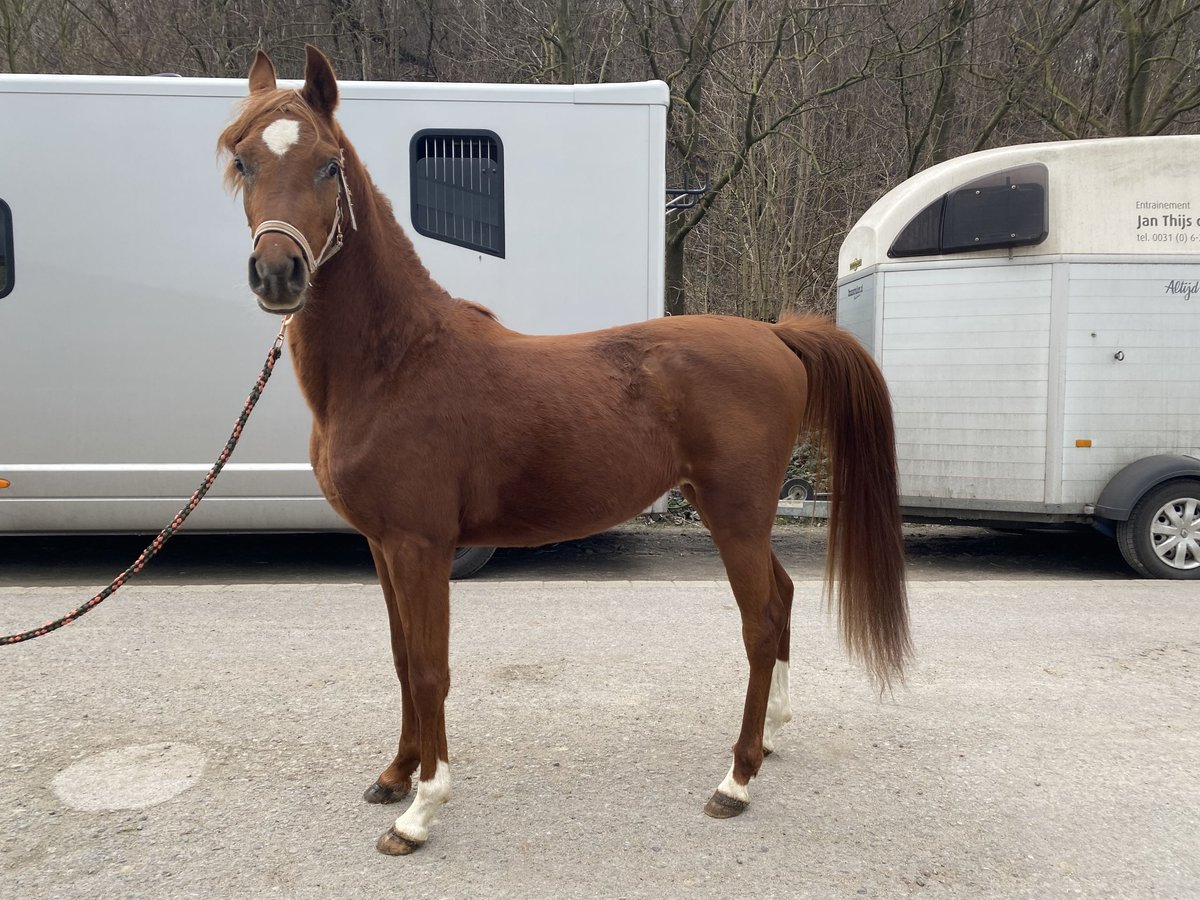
369 305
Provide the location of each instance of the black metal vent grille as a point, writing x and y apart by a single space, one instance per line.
458 188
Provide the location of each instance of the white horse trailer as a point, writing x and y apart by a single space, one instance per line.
128 337
1036 312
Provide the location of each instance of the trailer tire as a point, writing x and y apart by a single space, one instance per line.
1169 513
796 489
469 560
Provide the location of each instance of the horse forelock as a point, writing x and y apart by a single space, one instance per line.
284 102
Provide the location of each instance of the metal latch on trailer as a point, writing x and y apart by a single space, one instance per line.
685 197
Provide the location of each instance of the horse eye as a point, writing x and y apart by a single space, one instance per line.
239 165
331 170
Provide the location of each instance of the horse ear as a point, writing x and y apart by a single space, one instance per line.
262 73
320 84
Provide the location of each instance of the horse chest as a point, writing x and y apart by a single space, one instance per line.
323 470
370 481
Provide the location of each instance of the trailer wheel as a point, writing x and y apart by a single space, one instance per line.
469 560
796 490
1161 538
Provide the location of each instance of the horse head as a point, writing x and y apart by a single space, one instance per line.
286 157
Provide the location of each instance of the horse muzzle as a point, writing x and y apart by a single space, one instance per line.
279 279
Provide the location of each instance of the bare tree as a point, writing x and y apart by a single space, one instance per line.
18 18
768 64
1134 68
929 49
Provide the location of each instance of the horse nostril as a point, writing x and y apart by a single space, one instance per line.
255 278
298 276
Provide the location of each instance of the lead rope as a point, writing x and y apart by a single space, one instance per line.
176 523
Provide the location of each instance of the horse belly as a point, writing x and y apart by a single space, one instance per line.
573 495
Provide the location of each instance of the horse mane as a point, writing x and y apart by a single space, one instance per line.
472 307
283 100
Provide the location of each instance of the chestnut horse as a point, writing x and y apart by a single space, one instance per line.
435 427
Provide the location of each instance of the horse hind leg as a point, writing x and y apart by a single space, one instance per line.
742 534
779 702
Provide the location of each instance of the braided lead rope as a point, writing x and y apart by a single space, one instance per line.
176 523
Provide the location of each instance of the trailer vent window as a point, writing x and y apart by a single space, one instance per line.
6 250
458 188
923 235
1004 209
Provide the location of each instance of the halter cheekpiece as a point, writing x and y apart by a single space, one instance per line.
333 243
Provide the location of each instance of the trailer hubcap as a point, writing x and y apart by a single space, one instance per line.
1173 533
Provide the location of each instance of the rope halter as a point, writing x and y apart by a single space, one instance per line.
333 243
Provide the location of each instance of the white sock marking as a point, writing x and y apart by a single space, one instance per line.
779 704
281 135
731 788
431 794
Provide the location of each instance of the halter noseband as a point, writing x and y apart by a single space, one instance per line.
333 243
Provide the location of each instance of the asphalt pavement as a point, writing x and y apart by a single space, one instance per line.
209 740
636 551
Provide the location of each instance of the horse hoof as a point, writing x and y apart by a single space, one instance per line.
722 806
767 752
381 793
393 843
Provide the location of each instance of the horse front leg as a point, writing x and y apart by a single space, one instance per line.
394 782
420 571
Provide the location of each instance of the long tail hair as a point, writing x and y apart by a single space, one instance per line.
849 412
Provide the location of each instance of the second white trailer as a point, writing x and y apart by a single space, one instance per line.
1036 312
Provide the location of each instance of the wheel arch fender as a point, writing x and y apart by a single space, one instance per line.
1124 489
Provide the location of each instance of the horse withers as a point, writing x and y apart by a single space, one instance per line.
435 427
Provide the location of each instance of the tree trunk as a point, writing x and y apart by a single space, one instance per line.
959 16
676 295
563 37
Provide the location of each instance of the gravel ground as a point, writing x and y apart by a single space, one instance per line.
212 741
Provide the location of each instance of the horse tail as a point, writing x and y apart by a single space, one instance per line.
849 413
